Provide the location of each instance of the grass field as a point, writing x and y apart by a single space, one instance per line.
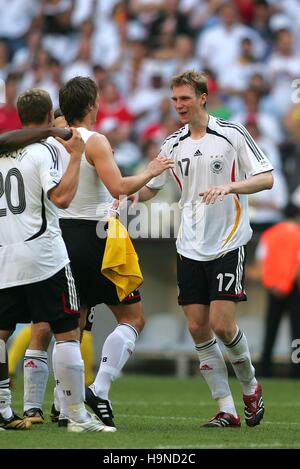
165 413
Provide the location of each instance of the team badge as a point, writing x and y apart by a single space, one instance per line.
217 166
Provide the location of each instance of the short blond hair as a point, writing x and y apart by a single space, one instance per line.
196 80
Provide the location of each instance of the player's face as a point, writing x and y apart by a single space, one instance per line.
187 103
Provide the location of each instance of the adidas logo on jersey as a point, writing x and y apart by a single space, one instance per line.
198 153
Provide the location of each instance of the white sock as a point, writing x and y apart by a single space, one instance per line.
226 404
35 378
59 403
69 370
214 371
239 356
5 399
116 350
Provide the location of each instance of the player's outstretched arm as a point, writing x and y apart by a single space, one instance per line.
146 193
258 182
15 139
99 153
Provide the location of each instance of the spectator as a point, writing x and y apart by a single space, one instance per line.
9 119
278 266
4 63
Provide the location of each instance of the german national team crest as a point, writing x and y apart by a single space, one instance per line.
217 166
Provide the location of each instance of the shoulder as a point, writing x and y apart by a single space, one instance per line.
98 148
41 149
173 140
97 139
45 153
232 130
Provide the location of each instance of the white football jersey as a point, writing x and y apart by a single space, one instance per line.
225 153
92 200
31 246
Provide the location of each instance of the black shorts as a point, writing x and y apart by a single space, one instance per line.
53 300
200 282
86 252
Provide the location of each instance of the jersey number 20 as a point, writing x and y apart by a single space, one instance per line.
6 189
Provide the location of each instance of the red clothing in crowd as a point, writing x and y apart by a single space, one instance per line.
9 119
118 111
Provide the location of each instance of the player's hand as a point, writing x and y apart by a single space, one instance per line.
214 193
75 146
65 134
134 198
159 165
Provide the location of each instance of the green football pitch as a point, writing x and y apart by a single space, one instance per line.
166 413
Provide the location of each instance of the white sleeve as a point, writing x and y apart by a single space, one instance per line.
251 158
158 182
50 167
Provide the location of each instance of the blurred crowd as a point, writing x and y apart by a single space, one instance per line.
131 48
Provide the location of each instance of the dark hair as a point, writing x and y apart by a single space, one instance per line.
58 113
33 106
197 81
75 98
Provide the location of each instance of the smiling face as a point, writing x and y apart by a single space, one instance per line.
187 103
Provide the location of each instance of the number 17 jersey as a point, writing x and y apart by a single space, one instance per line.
226 153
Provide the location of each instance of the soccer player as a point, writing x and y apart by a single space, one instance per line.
100 181
36 281
217 164
35 366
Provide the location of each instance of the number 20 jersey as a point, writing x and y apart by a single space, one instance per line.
226 153
31 246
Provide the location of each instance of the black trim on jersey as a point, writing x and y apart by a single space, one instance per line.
175 134
44 222
213 132
185 136
180 140
251 144
53 152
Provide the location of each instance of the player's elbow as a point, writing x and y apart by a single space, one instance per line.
61 202
269 180
118 189
116 192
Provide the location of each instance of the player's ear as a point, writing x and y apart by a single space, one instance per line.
203 99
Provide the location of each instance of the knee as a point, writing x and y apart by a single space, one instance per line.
221 330
140 323
4 335
194 329
137 322
40 336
